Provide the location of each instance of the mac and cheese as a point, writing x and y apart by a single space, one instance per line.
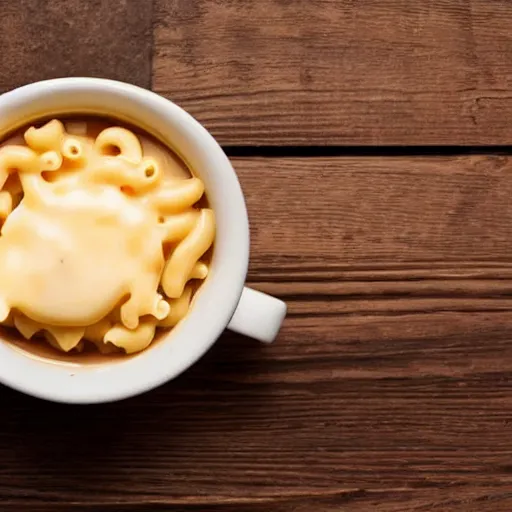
99 243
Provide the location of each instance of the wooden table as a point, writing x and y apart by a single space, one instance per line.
372 139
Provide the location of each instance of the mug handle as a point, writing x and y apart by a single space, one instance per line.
258 315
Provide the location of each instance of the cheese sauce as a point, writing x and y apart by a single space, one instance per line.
102 240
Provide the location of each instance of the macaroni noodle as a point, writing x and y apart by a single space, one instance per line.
178 308
181 262
99 242
48 137
119 140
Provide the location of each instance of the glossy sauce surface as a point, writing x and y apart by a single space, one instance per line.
82 255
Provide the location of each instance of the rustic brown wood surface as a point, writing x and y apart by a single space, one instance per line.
42 39
339 71
389 388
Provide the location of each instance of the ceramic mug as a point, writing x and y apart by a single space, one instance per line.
222 301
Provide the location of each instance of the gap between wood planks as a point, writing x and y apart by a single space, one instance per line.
377 151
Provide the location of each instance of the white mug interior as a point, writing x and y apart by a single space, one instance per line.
218 296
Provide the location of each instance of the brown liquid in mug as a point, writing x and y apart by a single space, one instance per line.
37 347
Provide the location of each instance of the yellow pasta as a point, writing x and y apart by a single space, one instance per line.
131 340
122 140
25 326
72 149
67 338
177 227
83 260
47 138
50 161
96 332
178 308
117 170
6 203
181 262
62 344
199 271
151 170
17 159
179 195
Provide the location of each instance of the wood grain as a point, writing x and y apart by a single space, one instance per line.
389 388
41 39
338 72
378 215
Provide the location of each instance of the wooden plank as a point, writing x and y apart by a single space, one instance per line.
420 500
285 426
389 388
41 39
339 72
380 217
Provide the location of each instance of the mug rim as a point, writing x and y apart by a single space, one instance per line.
217 297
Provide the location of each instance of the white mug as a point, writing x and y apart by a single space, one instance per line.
222 301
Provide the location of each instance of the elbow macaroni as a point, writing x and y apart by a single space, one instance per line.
119 140
181 263
105 246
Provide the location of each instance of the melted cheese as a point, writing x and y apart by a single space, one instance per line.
82 254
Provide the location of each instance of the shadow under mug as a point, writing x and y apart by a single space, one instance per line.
222 300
